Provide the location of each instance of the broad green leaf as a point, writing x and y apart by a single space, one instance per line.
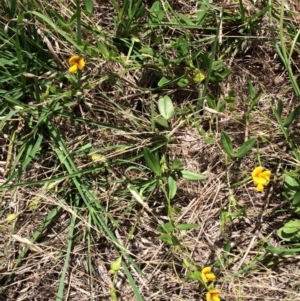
165 107
175 241
152 162
161 121
245 148
183 82
166 228
292 116
187 226
195 275
172 187
192 176
89 5
166 238
296 199
164 81
291 227
156 13
291 183
177 164
294 236
147 50
227 144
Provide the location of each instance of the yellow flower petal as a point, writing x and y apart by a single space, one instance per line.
213 295
74 59
266 174
260 187
259 180
80 63
210 276
206 270
73 69
206 275
257 171
208 296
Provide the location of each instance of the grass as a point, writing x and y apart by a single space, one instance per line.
124 180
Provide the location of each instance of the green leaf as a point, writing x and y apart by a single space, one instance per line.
89 5
296 199
166 108
156 13
183 82
186 20
291 117
166 238
279 108
176 164
288 236
195 275
245 148
164 81
251 90
280 251
115 265
172 187
192 176
103 49
187 226
161 121
291 183
175 241
227 144
202 12
166 228
185 263
147 50
152 162
291 227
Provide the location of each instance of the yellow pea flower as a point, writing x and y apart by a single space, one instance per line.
76 62
213 295
207 275
260 178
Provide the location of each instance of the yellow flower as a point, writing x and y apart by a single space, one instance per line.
213 295
207 275
76 62
260 178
